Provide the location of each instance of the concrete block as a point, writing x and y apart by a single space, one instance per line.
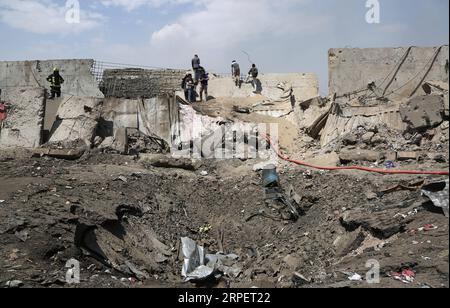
77 119
367 137
121 140
163 161
348 242
25 118
390 156
68 154
423 112
402 156
347 156
326 160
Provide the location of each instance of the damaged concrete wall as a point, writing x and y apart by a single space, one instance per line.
392 69
25 118
141 83
153 117
347 119
77 119
305 86
79 81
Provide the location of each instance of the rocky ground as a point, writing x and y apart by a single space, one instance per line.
123 219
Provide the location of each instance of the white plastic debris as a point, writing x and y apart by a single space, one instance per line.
1 201
199 266
439 198
204 173
355 277
14 284
122 178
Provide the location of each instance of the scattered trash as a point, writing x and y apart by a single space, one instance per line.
406 276
1 201
138 273
438 193
355 277
205 229
298 279
389 164
241 110
410 213
121 178
200 266
13 284
411 187
204 173
307 174
426 258
427 228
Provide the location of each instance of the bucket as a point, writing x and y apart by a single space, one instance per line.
270 176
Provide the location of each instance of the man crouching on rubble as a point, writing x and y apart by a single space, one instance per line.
56 81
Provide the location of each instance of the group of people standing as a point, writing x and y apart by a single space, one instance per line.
200 77
191 82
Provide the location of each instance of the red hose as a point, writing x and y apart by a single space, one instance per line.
297 162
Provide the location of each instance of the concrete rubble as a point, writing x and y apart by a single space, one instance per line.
22 127
125 176
77 119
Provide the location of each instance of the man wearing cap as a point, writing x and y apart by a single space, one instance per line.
236 73
56 81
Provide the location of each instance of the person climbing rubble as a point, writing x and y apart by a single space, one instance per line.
2 110
253 76
55 81
190 88
184 83
204 79
196 67
236 73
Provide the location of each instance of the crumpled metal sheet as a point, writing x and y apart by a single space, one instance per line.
439 198
199 266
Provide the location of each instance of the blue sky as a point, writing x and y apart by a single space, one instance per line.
281 36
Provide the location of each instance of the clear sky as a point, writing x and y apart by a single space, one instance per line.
280 35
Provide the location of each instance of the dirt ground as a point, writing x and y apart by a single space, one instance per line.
55 210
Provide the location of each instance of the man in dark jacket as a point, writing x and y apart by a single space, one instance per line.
236 73
196 66
55 81
204 79
253 77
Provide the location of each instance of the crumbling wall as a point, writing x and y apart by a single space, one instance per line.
77 119
398 70
153 117
79 80
348 119
305 86
141 83
25 117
